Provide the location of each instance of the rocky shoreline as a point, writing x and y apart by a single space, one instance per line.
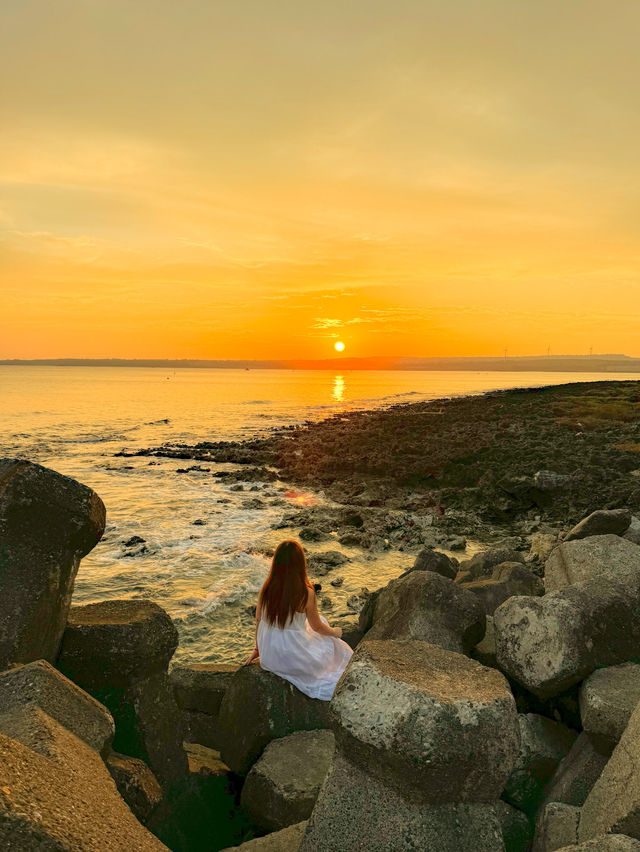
492 702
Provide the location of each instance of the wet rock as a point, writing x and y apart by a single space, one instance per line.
254 503
482 564
136 784
459 542
201 686
199 522
39 685
424 605
579 770
285 840
258 707
119 652
326 602
48 522
427 720
355 539
509 579
283 785
608 697
517 831
557 827
337 582
133 541
613 805
358 600
433 560
543 744
548 644
602 522
354 807
587 558
312 534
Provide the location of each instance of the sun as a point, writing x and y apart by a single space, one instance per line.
338 346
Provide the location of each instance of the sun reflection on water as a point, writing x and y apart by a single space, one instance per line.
338 388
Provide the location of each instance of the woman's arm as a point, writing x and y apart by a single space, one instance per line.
253 656
315 622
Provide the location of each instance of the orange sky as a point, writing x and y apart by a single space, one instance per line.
256 180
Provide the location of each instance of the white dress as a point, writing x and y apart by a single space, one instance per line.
309 660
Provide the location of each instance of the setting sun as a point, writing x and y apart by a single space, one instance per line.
339 346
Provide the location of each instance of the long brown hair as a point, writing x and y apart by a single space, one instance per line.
287 586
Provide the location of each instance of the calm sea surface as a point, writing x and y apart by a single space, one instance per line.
74 419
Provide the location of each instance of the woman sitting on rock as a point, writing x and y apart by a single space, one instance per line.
292 639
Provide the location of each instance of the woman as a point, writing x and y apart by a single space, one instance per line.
292 640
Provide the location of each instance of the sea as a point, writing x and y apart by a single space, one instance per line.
206 543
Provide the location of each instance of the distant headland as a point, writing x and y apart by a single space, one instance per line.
610 363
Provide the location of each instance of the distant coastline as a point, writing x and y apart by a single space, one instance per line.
533 363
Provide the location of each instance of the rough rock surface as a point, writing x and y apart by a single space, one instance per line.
432 722
633 533
200 686
579 771
610 843
548 644
48 522
283 785
119 651
517 831
426 606
601 522
136 784
485 651
588 558
39 684
285 840
613 805
557 827
608 697
508 579
482 564
353 808
543 744
258 707
434 560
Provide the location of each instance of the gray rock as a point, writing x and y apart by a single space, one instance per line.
482 564
330 557
613 805
588 558
201 728
579 771
282 786
136 784
633 533
200 686
509 579
286 840
426 606
517 831
259 707
119 652
433 560
542 544
548 481
548 644
543 744
39 685
434 723
602 522
57 792
485 651
608 697
355 810
48 522
557 827
609 843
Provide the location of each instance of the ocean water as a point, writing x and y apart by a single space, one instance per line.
206 575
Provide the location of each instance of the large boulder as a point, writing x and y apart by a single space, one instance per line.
39 685
199 689
429 721
136 784
579 770
608 843
543 744
633 533
56 791
601 522
548 644
119 652
48 522
517 831
482 564
356 812
434 560
508 579
257 707
588 558
557 827
285 840
608 697
613 805
426 606
282 786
